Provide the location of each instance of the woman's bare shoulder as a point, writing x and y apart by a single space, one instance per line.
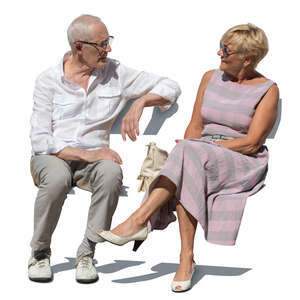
206 77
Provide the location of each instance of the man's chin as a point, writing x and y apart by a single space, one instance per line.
102 63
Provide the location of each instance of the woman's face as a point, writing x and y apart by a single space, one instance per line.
231 61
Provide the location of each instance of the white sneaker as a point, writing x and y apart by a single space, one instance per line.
40 270
85 270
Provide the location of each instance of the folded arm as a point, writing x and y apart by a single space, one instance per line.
261 125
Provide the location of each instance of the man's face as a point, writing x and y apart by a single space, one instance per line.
94 54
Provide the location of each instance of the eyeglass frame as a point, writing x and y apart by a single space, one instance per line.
100 45
224 49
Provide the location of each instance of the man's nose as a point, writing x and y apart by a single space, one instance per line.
108 48
220 52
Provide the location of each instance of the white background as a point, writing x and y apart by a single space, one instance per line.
178 39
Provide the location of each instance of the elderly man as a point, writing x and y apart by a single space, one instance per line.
75 105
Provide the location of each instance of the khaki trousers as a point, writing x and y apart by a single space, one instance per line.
54 178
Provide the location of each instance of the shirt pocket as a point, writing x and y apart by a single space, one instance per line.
104 104
65 107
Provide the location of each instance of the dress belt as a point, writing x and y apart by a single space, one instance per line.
219 137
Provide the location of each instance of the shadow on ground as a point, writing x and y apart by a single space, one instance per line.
158 270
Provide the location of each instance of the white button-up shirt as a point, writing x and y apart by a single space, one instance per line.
64 114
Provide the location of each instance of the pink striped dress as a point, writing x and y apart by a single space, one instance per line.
213 182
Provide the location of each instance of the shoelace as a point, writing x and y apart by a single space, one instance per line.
41 263
84 262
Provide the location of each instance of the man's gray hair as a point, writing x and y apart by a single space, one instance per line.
80 29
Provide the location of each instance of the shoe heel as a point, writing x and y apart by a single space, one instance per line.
136 245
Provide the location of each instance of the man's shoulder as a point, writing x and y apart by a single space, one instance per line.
112 65
116 67
48 75
112 69
113 62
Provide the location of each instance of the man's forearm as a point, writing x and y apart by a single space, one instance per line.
153 100
72 153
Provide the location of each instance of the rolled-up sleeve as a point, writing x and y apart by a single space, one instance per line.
41 135
138 83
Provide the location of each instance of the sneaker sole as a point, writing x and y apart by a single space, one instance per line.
42 279
86 281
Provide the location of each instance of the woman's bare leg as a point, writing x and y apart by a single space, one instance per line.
187 228
163 191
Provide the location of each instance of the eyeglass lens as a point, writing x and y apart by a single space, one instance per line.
107 42
224 49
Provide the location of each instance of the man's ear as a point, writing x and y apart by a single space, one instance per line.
78 46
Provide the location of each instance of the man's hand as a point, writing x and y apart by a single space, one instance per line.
130 123
102 154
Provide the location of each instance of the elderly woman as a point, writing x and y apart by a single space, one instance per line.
222 159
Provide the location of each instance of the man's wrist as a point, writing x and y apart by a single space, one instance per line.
142 101
83 154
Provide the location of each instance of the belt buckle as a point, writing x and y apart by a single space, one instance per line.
217 137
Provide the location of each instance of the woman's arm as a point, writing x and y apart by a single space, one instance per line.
195 126
261 125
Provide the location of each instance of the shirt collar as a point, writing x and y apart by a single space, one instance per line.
96 73
61 66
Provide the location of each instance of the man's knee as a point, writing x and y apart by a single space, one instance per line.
51 173
108 174
53 191
57 182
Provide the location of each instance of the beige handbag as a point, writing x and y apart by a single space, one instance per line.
152 164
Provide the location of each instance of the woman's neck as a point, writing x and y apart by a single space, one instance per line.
243 75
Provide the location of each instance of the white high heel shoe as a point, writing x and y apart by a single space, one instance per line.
138 238
184 285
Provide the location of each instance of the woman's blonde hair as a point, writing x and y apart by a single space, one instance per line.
248 40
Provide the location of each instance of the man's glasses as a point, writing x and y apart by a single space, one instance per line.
103 45
225 50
